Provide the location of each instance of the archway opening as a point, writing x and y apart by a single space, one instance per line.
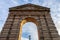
25 21
29 31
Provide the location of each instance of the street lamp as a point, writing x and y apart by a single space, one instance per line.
29 37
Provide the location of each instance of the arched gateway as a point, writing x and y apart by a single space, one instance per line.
29 19
19 15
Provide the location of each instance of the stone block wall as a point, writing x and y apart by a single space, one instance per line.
46 27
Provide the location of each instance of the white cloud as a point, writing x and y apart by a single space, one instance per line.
14 1
22 38
26 0
59 31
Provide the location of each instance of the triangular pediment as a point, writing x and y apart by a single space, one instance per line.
29 7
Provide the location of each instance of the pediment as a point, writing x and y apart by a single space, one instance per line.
29 7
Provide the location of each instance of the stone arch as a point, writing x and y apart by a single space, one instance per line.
28 19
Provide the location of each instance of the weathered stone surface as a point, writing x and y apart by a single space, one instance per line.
31 13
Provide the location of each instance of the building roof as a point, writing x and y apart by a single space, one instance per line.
29 7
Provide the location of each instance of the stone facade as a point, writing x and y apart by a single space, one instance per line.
46 27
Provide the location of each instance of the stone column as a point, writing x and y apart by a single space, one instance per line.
14 29
7 26
51 26
46 34
40 32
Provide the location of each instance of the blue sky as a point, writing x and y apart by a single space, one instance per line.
54 6
30 29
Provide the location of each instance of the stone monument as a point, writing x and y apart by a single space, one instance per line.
19 15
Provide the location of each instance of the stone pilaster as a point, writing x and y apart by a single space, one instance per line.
52 28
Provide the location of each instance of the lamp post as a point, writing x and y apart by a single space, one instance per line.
29 37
